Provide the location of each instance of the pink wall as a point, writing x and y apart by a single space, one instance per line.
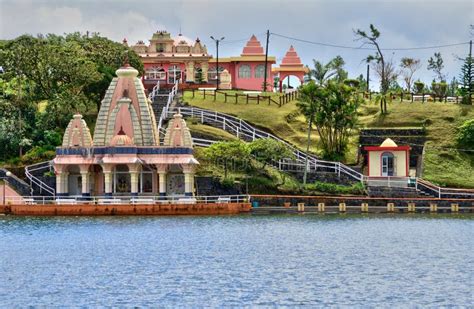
251 83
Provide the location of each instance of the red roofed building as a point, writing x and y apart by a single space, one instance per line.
291 65
168 60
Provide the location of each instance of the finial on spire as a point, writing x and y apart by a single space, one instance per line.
126 62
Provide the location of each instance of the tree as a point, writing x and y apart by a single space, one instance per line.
266 150
227 152
453 87
465 135
409 67
436 64
308 104
371 39
336 117
439 89
419 87
324 72
467 79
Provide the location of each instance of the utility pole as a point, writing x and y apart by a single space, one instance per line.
470 75
266 63
368 78
217 60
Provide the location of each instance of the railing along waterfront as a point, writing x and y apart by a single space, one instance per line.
124 200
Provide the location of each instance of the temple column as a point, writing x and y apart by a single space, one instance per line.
85 179
65 183
190 72
134 183
107 170
188 183
59 183
204 68
108 183
134 174
162 183
154 181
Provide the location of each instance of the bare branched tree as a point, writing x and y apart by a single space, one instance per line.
371 39
409 67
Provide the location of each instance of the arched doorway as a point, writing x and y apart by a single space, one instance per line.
290 81
388 164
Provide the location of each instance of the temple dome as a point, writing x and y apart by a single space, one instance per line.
77 133
388 143
127 71
177 133
121 139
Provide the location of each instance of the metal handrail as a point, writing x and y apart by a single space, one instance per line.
154 92
126 199
35 180
164 112
241 128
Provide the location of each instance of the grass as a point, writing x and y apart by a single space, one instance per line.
443 163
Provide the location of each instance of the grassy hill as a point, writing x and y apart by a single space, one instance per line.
443 163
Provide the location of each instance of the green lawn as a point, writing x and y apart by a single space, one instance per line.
442 164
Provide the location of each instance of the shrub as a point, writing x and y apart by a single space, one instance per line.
465 135
38 154
419 87
357 188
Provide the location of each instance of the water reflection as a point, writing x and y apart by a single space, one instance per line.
313 260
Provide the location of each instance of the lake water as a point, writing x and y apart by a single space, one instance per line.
309 260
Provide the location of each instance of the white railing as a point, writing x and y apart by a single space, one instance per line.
154 92
164 112
42 167
242 129
442 192
125 200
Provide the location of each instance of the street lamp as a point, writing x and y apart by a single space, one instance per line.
217 59
5 181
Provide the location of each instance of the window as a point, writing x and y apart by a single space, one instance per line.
174 74
212 74
244 71
155 73
260 71
388 164
198 78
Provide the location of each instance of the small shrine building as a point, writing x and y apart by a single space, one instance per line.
124 157
388 160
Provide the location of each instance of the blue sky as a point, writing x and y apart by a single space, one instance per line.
402 24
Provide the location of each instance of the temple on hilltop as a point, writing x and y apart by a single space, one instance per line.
169 60
124 157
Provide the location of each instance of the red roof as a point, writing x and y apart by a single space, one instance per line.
291 58
253 47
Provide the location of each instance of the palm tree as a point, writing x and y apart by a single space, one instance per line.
308 104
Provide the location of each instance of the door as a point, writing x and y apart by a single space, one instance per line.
387 164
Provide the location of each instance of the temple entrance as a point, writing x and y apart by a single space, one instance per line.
289 82
122 179
387 164
74 182
175 181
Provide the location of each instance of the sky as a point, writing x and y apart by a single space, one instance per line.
403 24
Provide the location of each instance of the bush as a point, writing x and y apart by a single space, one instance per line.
38 154
357 188
465 135
418 87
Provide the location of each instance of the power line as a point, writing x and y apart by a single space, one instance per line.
240 40
367 48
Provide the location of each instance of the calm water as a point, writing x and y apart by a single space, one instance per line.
237 261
